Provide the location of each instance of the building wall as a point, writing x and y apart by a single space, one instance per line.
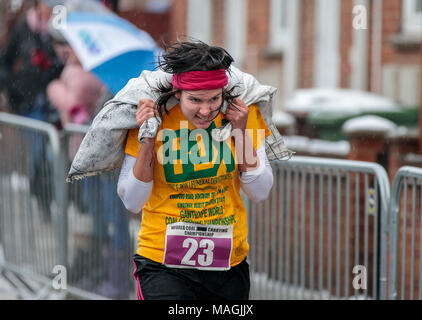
391 25
267 66
219 23
307 44
178 19
156 24
346 32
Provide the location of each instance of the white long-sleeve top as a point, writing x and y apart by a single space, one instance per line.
135 193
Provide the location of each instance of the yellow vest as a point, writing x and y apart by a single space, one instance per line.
204 189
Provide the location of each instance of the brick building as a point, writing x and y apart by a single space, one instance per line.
369 45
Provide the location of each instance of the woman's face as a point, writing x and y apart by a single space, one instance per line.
200 107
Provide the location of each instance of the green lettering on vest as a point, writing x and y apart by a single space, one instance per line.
189 151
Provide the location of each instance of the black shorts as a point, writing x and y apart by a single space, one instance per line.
155 281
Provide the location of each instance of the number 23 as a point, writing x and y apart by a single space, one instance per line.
205 259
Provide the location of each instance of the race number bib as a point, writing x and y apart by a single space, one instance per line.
198 246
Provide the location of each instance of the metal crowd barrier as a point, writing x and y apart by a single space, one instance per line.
31 219
47 224
405 260
324 217
100 242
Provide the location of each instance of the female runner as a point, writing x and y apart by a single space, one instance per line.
192 243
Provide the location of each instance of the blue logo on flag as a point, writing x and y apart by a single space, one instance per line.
89 41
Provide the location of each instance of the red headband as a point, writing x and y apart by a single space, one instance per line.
200 80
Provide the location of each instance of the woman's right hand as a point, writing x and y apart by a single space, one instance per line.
146 110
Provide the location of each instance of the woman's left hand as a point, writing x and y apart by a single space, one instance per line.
237 113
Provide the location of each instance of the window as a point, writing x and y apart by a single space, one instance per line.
278 24
235 30
412 16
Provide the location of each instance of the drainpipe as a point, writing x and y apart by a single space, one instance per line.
359 54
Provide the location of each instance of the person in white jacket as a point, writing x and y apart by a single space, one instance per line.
192 243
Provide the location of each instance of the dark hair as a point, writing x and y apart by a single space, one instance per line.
193 55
